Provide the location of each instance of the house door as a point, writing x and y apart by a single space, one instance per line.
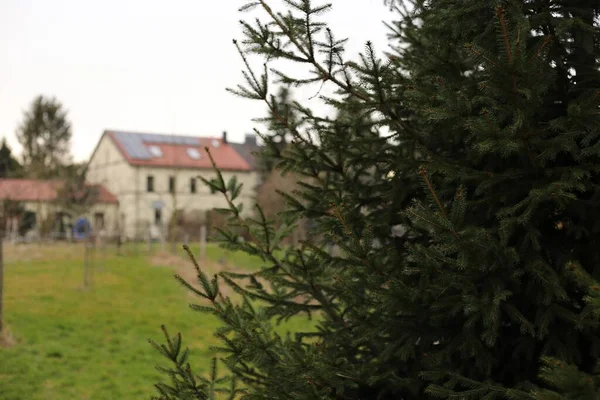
98 221
28 222
157 206
157 216
156 229
61 228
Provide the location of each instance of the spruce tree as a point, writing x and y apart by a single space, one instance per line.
9 166
278 133
460 180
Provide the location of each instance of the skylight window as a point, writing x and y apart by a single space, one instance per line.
216 143
193 153
155 151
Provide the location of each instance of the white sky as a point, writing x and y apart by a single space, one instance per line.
143 65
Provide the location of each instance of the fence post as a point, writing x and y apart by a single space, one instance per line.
149 240
93 247
102 245
86 263
118 243
163 238
202 242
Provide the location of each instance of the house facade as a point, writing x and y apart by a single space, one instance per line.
154 175
41 206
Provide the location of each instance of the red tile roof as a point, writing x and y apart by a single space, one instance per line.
43 190
175 155
104 196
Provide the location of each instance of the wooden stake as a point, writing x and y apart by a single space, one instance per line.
149 240
202 242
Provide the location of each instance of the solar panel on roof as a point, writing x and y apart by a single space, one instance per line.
133 143
169 139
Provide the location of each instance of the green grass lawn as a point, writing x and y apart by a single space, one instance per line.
92 344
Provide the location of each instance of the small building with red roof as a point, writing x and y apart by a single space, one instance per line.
40 199
153 175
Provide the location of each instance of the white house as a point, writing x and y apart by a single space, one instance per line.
152 175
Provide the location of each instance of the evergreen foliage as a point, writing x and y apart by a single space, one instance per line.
278 132
460 180
9 166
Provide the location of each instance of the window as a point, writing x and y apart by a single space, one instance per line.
171 184
157 216
193 185
194 154
155 151
150 183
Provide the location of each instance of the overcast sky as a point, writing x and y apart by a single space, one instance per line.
142 65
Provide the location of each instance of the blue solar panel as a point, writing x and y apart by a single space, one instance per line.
133 143
169 139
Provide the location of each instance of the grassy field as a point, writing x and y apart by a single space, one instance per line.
71 343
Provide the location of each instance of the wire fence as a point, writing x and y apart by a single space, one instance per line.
95 248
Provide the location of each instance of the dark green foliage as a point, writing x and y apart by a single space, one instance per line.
277 123
12 209
184 384
9 166
460 179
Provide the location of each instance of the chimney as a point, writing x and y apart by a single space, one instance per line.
250 139
224 137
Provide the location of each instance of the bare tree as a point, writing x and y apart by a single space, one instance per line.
77 197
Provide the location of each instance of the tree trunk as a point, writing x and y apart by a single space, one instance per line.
86 258
1 281
92 265
173 236
85 263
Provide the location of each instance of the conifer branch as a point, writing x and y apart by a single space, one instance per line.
323 71
545 43
500 14
481 55
351 234
347 86
423 174
425 177
316 292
